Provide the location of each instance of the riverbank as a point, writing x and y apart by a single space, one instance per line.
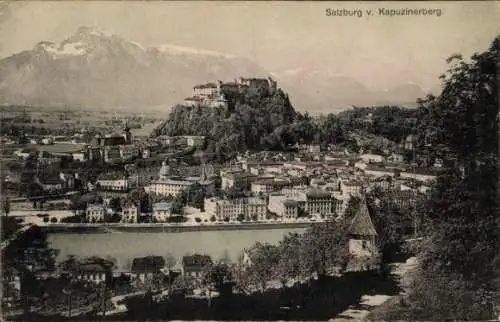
168 228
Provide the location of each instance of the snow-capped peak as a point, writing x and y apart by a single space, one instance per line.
64 49
180 50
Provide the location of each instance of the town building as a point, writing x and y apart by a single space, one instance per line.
282 206
409 142
50 182
372 158
265 186
212 94
237 178
224 209
423 175
147 270
81 156
129 152
113 181
129 212
351 187
193 265
23 153
378 171
319 202
162 211
166 185
396 158
195 141
95 213
11 282
94 270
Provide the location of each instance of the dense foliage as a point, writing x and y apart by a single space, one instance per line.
321 250
250 117
459 258
257 119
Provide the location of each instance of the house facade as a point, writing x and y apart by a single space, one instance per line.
224 209
162 211
129 213
193 265
95 213
95 270
113 182
147 270
284 207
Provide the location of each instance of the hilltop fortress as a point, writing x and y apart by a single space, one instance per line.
212 94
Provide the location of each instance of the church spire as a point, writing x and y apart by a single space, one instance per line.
164 171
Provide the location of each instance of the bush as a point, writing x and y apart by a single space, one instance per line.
198 219
115 218
241 217
72 219
176 219
212 218
226 219
53 220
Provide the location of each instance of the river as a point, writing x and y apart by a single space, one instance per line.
124 246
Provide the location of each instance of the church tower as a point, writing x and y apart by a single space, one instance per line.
127 135
164 171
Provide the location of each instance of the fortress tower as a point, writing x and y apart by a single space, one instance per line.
273 85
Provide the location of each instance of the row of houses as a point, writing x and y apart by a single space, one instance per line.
361 241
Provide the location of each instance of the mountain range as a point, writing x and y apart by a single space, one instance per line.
91 69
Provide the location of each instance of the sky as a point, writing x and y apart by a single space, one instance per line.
379 50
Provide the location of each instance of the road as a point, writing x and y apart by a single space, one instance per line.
402 271
6 242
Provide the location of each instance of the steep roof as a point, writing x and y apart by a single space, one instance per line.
317 193
361 223
196 261
147 264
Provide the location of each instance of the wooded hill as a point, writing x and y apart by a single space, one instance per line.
257 119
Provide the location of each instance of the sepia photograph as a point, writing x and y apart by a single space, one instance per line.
249 160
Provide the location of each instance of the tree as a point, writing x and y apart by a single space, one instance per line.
389 223
288 266
241 217
6 206
177 206
265 257
115 204
212 218
459 257
170 261
69 266
216 275
323 247
9 227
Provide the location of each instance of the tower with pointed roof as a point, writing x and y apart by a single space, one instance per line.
362 232
127 134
